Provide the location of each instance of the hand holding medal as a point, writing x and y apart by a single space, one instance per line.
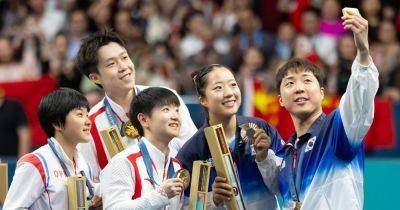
257 138
184 175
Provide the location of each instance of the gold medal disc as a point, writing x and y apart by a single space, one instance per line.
184 175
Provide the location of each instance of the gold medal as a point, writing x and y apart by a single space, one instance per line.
130 130
184 175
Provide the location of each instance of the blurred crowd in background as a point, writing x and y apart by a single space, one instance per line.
169 39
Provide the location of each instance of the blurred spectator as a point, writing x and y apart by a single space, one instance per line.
130 32
331 23
311 42
167 40
192 41
62 67
386 51
12 70
248 33
78 29
157 26
223 23
347 52
284 43
101 12
41 18
14 129
253 66
371 10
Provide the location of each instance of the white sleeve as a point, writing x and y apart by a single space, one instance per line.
27 186
357 103
269 169
117 182
88 151
188 128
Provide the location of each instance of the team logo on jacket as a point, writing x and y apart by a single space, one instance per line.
310 144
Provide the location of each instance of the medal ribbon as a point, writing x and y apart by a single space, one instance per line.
66 171
110 114
149 168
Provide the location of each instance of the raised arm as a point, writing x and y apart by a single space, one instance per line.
357 104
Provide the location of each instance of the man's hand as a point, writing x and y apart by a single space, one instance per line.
262 142
359 26
171 187
221 190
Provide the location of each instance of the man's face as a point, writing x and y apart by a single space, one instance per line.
116 70
164 121
301 94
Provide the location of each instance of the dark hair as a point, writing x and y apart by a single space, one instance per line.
200 80
296 64
147 100
87 57
54 108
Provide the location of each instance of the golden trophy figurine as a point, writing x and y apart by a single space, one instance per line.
113 140
3 182
224 164
76 186
199 185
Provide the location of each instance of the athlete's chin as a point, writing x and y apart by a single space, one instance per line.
303 114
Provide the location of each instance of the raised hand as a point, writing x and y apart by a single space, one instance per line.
359 26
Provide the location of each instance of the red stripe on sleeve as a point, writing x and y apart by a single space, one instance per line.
138 183
35 161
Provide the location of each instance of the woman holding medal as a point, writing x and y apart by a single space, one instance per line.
40 177
251 140
145 175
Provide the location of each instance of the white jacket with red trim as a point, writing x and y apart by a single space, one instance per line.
95 152
125 183
39 181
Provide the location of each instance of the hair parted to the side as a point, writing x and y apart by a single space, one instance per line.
87 58
54 108
147 100
297 64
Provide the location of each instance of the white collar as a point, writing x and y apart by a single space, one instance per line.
156 155
117 109
63 155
